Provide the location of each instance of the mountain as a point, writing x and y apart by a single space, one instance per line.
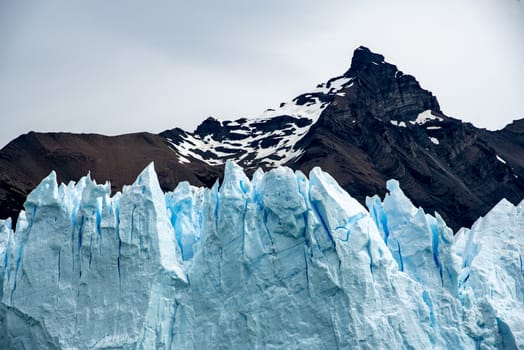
364 127
279 261
117 159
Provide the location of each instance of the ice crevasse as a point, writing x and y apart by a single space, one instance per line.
281 261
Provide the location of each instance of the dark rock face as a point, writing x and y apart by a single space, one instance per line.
119 159
443 164
461 177
383 91
373 123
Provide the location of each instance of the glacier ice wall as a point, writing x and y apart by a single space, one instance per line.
281 261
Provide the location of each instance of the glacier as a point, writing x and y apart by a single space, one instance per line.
278 261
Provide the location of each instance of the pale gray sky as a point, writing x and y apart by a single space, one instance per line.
120 66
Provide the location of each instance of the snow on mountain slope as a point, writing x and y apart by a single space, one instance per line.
374 123
268 139
280 261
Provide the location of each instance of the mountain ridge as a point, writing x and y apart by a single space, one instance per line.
368 125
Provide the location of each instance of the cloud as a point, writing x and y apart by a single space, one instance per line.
124 66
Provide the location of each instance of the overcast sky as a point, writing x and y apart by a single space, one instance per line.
115 67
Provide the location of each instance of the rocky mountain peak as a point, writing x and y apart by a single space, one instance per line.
380 90
362 58
371 124
516 127
209 125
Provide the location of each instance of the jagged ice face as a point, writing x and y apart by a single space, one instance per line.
278 261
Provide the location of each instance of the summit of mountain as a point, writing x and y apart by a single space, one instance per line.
366 126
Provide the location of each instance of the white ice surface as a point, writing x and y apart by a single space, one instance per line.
279 261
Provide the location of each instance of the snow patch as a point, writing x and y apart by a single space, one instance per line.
397 123
251 145
424 117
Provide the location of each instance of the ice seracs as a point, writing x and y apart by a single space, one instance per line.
81 267
492 276
280 260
